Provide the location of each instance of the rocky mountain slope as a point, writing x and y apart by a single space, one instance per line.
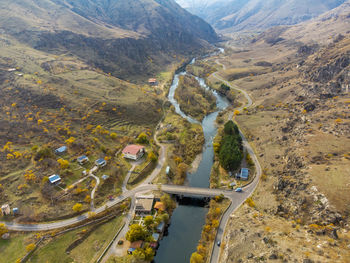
126 38
237 15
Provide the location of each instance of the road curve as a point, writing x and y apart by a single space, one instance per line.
236 202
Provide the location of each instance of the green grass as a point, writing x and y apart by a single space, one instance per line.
88 251
14 248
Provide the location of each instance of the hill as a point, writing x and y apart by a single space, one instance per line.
126 38
238 15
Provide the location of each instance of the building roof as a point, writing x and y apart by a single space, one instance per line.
159 206
82 158
244 173
61 149
54 178
144 203
155 236
100 161
161 226
136 244
152 80
5 208
133 149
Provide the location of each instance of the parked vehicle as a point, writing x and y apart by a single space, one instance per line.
239 189
219 243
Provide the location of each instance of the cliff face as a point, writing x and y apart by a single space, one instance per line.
125 38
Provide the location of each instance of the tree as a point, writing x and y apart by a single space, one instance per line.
196 258
231 128
149 254
168 202
142 138
148 221
113 135
77 207
136 232
30 247
152 157
64 163
3 229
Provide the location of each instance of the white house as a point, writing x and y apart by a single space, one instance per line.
133 151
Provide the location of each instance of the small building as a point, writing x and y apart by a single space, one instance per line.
15 211
159 206
61 150
55 179
6 210
101 162
156 237
105 177
133 152
6 236
244 174
82 159
136 244
153 82
144 204
161 227
153 245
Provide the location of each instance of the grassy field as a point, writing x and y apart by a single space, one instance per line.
88 251
15 247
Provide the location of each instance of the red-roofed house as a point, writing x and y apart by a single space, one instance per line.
133 151
153 82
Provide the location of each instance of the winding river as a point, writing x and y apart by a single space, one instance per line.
187 220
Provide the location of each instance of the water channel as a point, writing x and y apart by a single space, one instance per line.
187 220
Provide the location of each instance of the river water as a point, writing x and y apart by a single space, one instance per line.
187 220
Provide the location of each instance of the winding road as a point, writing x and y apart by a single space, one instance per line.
236 198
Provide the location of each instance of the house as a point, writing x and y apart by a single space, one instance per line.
133 152
161 227
135 245
159 206
55 179
153 82
82 159
156 237
101 162
144 204
61 150
5 209
105 177
244 174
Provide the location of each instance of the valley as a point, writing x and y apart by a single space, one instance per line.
136 132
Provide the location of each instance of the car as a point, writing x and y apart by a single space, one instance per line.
219 243
239 189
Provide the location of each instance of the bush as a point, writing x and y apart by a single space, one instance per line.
43 153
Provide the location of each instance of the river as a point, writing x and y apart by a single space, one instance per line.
187 220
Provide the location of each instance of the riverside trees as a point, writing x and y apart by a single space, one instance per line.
231 148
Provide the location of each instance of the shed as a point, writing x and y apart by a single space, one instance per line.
131 250
160 227
82 159
244 174
156 237
55 179
15 211
153 82
167 170
105 177
136 244
61 150
159 206
5 209
101 162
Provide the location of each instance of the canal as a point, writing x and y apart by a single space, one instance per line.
188 219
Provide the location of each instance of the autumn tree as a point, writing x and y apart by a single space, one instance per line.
77 207
142 138
63 163
30 247
3 229
136 232
196 258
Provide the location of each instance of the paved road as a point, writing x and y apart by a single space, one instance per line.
236 198
236 201
126 180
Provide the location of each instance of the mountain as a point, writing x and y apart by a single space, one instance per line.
238 15
126 38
